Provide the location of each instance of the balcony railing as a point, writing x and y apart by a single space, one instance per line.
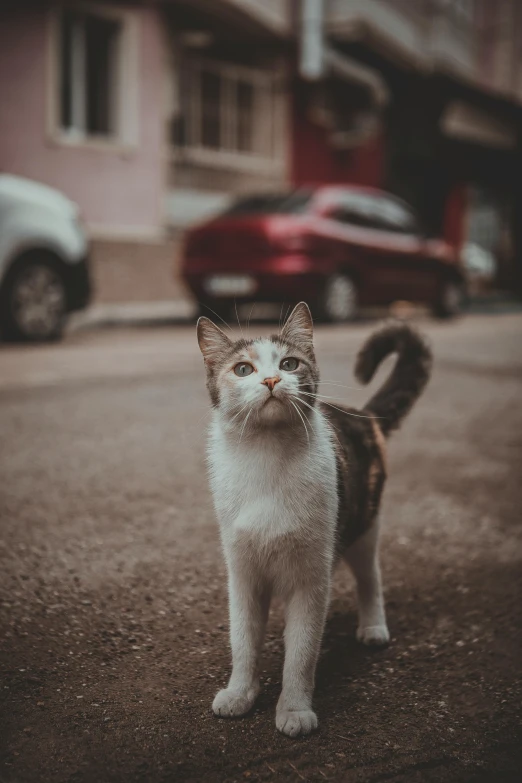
398 27
272 14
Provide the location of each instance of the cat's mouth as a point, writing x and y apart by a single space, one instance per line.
271 398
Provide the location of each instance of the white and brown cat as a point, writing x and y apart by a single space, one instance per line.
297 486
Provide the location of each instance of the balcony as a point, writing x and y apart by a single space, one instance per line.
452 41
397 28
273 15
426 34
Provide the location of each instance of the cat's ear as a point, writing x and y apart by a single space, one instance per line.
213 343
299 327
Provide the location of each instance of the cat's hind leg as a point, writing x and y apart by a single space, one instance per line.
363 558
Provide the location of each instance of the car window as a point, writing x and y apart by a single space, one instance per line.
372 211
394 216
355 209
294 202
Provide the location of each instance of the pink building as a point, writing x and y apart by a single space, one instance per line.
82 92
82 110
94 96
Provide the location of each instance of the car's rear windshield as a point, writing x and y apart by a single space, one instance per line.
271 203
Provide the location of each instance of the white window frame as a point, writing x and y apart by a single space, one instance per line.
125 136
265 122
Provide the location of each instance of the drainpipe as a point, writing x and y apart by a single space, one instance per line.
311 64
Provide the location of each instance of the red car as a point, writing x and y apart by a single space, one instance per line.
338 248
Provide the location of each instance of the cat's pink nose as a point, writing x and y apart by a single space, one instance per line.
271 382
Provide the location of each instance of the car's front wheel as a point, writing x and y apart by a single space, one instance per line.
451 301
340 299
34 302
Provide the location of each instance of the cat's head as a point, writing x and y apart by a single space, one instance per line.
264 379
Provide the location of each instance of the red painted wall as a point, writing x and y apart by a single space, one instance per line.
315 161
455 212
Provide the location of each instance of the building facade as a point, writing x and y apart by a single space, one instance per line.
153 115
452 127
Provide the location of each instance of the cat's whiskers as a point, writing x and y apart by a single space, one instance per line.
243 427
217 315
347 413
250 315
207 413
283 326
304 414
314 410
324 396
308 420
341 385
304 425
280 316
239 411
306 403
238 322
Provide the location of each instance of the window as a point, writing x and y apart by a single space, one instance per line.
93 74
228 111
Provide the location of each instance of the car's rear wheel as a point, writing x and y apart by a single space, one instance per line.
34 302
451 301
340 299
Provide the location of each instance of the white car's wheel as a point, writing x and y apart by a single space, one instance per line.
340 299
35 302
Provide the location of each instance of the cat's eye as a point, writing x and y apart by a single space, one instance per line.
289 364
243 368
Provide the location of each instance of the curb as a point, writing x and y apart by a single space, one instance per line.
132 314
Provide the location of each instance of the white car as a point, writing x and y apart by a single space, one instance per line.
43 260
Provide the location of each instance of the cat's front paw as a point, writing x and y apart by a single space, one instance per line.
296 723
231 703
373 635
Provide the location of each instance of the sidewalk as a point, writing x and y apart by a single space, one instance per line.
156 313
132 314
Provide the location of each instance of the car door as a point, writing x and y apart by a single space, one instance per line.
352 235
409 275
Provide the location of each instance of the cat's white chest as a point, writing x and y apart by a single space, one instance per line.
268 492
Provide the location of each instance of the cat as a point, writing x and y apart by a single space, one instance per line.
296 485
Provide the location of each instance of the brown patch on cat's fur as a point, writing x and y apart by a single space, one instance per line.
361 445
361 472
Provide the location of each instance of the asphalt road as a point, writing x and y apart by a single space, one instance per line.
112 586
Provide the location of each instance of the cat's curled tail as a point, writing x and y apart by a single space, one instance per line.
410 375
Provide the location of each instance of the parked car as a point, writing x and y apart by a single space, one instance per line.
338 248
43 260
